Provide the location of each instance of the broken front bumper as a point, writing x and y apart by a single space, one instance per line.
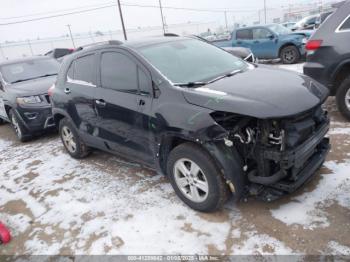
298 165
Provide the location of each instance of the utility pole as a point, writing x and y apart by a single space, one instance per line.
265 11
30 47
122 20
71 35
161 13
226 20
2 52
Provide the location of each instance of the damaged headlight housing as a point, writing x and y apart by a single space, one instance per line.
29 100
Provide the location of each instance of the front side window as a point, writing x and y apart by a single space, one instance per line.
118 72
244 34
188 60
261 33
27 70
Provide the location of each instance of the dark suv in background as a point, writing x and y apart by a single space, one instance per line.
328 56
24 99
213 123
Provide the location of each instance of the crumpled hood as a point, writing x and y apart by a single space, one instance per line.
32 87
262 92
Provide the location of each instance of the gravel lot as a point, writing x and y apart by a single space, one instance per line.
106 205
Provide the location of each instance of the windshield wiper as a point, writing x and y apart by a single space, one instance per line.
232 73
191 84
27 79
53 74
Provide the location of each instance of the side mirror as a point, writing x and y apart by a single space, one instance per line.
271 37
1 86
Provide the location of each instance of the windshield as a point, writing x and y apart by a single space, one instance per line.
30 69
191 60
279 29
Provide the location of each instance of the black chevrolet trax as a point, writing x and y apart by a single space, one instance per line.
214 124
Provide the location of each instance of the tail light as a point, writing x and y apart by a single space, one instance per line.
50 91
313 45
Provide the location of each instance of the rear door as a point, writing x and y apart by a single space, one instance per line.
244 38
264 44
122 108
80 90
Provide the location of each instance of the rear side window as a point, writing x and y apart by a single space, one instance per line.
119 72
245 34
84 70
345 25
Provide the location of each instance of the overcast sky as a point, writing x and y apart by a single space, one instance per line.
108 19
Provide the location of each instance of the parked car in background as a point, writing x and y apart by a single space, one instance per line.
328 56
307 23
59 53
321 18
269 42
241 52
213 123
24 100
289 25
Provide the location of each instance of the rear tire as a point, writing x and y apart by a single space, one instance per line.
290 55
22 133
343 98
74 145
196 179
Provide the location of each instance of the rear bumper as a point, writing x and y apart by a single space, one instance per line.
318 72
36 119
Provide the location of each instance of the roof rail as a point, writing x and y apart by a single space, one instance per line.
109 42
171 34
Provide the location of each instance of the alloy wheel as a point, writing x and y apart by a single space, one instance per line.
347 99
191 180
68 139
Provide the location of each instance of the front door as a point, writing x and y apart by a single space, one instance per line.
264 44
121 107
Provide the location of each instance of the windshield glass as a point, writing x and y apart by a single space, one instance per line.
191 60
29 70
279 29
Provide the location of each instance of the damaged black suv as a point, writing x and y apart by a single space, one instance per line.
214 124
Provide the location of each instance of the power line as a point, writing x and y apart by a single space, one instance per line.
109 6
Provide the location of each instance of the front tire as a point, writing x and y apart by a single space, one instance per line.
20 130
75 147
290 55
343 98
196 179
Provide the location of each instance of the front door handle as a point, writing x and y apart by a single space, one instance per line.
142 102
100 102
256 42
67 90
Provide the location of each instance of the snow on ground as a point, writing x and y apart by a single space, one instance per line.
305 208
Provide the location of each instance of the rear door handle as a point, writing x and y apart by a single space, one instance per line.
100 102
67 90
256 42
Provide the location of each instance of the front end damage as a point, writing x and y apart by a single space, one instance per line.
278 155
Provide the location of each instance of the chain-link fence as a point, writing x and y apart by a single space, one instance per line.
27 48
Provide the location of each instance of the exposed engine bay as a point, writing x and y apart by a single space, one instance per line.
279 154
